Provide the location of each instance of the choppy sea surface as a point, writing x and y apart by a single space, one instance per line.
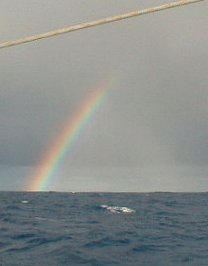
51 228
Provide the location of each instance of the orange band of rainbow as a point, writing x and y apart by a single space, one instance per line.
67 138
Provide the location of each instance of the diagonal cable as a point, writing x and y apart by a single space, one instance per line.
97 22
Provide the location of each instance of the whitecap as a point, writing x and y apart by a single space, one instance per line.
40 218
117 209
24 201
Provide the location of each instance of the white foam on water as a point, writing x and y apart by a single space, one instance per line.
40 218
117 209
24 201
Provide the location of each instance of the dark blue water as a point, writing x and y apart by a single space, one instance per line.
73 229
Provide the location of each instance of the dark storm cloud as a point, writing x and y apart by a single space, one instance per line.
156 113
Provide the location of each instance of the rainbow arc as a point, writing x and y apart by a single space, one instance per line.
67 138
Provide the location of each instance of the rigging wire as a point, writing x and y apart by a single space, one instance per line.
97 23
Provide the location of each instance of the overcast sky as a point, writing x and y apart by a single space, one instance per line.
150 134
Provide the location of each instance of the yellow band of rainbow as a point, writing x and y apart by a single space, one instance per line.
51 162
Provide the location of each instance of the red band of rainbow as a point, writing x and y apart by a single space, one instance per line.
67 138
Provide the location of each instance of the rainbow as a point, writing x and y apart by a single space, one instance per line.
53 159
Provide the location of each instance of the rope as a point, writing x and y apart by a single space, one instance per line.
97 23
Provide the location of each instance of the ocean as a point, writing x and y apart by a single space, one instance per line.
53 228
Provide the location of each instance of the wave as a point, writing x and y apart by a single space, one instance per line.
117 209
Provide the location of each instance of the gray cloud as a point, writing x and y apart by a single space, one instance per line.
155 115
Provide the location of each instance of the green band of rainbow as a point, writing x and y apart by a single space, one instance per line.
68 137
